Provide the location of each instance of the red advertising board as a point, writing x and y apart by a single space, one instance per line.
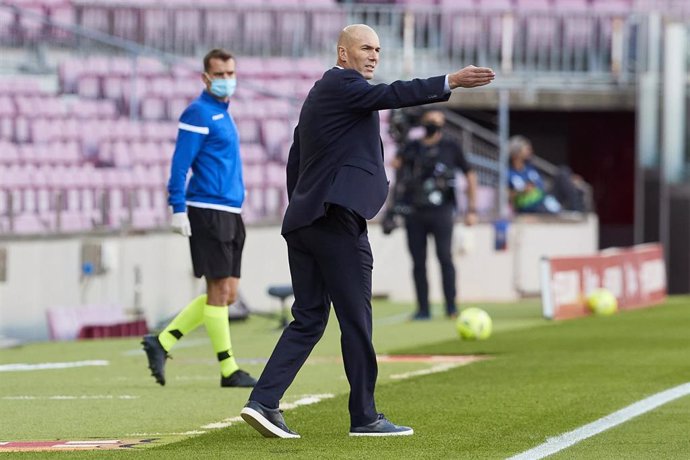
635 275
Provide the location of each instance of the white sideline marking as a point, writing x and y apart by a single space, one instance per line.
223 423
91 443
66 397
394 319
443 367
560 442
304 401
18 367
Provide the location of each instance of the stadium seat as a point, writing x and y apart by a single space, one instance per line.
282 292
92 321
248 130
612 6
274 132
28 224
253 154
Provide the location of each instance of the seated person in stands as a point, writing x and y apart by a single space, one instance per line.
527 191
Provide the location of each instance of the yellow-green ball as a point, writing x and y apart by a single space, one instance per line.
602 302
474 324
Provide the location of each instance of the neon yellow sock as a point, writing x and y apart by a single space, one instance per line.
185 322
218 329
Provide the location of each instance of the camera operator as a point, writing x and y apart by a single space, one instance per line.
425 196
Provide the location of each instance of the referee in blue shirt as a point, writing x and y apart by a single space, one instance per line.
207 211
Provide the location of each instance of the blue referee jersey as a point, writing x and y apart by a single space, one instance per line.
208 143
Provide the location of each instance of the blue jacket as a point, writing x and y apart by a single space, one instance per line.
208 143
337 154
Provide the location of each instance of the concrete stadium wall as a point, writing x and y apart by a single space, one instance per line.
44 273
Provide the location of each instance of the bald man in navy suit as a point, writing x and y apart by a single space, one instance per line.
335 182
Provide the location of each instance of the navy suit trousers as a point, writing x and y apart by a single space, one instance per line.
330 261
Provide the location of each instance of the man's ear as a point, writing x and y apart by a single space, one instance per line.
342 53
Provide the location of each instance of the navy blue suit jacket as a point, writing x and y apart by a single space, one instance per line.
337 155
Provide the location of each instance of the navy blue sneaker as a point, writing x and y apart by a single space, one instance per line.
420 317
381 427
156 355
269 422
239 379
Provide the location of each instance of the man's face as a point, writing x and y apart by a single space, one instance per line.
217 68
435 117
527 152
362 54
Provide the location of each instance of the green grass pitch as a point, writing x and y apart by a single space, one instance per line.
541 379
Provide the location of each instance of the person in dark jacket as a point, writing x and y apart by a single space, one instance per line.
335 182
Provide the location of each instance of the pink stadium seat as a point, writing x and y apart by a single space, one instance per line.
6 128
254 203
291 30
88 86
450 5
274 133
148 67
222 27
153 108
8 152
121 154
311 68
532 5
248 130
187 30
112 87
253 154
145 219
275 175
253 175
7 106
326 24
73 221
22 130
618 7
30 27
563 6
156 27
62 14
68 323
321 3
7 22
28 223
496 5
124 23
176 106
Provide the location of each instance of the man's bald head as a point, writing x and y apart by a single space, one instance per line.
352 33
358 49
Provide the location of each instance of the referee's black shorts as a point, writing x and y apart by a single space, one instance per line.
216 243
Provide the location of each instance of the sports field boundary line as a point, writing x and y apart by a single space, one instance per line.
565 440
22 367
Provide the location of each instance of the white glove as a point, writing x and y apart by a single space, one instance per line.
180 224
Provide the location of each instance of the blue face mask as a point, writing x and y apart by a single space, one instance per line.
223 87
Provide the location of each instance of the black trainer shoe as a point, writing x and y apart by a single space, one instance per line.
420 317
381 427
156 355
239 378
268 422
